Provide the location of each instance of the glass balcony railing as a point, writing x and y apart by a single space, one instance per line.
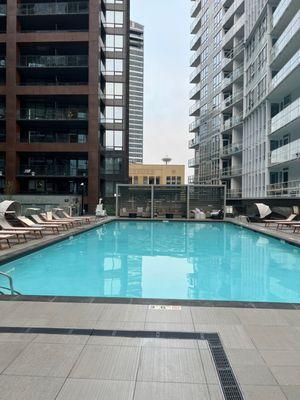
231 149
286 116
290 31
230 78
234 193
231 122
74 7
288 152
53 114
42 137
193 162
38 61
194 142
2 10
230 100
230 172
280 10
284 189
290 66
52 170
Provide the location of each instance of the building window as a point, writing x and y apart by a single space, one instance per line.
113 140
114 42
114 90
217 80
114 66
135 180
203 92
145 180
204 73
217 60
114 19
204 55
112 165
113 115
218 39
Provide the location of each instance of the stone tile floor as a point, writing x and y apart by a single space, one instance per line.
263 347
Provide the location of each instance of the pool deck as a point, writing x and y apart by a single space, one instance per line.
263 347
74 349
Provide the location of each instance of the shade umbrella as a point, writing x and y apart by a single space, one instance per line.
263 210
282 211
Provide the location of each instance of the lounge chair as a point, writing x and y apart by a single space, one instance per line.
17 233
287 225
6 239
87 219
48 218
41 222
269 222
4 224
124 212
39 227
74 220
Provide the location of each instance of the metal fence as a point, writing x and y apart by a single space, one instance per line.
168 201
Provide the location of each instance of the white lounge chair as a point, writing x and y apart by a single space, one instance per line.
269 222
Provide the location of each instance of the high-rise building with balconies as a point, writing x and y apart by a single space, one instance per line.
136 93
247 120
64 73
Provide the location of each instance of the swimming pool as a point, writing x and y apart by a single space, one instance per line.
168 260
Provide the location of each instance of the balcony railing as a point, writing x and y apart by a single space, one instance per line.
288 152
75 7
195 6
194 142
284 189
231 149
52 114
52 170
286 116
280 9
286 35
230 172
232 77
234 29
232 99
231 122
290 66
234 193
193 162
37 61
36 137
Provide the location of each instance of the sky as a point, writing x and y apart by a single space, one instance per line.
166 107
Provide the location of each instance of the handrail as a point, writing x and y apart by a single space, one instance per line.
11 285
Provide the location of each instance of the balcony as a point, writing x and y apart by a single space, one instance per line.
284 189
230 172
37 61
285 117
195 25
194 142
232 99
231 149
232 122
234 30
234 194
280 10
196 8
31 9
193 162
194 108
286 153
69 137
288 42
52 170
232 10
289 73
232 77
53 114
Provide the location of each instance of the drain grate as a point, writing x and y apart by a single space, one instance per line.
228 382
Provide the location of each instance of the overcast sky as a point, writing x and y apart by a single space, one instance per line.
167 26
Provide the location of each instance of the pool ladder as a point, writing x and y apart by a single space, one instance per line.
11 284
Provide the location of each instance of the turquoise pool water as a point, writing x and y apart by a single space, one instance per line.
176 260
